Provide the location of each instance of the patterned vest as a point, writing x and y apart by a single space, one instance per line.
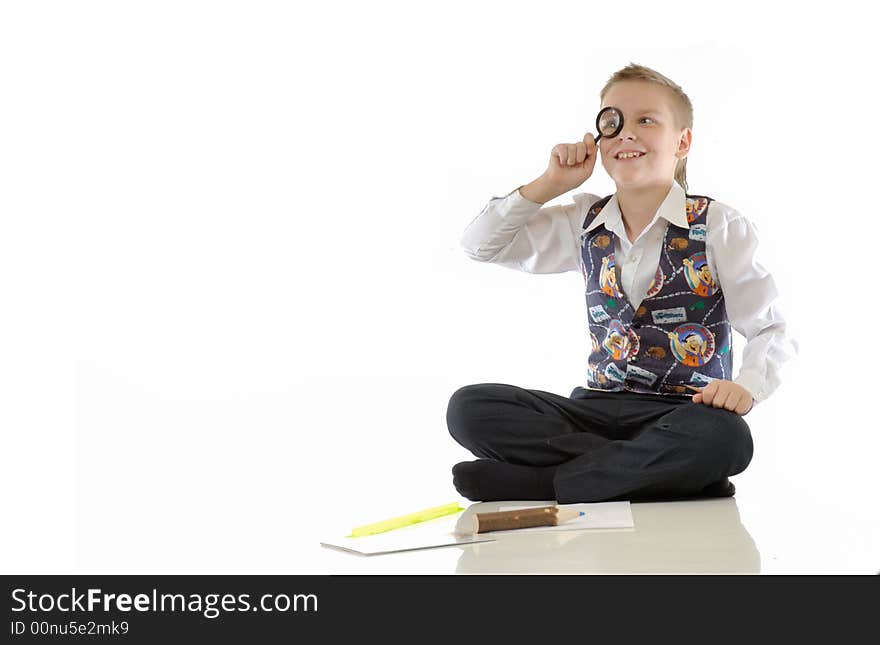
679 336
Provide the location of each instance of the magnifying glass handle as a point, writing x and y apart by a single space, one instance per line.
598 136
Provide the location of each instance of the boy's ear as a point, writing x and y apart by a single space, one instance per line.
684 143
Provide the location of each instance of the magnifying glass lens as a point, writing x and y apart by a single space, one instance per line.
609 123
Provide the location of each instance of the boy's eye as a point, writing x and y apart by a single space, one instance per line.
646 117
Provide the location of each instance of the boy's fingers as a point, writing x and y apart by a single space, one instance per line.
710 391
590 142
733 400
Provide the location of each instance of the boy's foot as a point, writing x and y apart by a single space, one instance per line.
723 488
487 480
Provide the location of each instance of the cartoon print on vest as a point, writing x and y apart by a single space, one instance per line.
694 208
592 368
601 241
675 351
692 344
655 286
678 243
698 275
620 343
614 373
595 375
608 278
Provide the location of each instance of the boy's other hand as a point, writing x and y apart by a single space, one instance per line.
571 164
725 394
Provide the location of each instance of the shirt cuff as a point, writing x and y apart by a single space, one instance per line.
752 382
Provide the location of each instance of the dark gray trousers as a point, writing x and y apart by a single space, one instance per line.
606 445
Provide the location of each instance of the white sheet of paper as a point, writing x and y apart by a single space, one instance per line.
424 535
598 515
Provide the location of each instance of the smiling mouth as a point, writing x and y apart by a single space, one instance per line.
630 158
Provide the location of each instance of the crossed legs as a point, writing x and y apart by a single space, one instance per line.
539 445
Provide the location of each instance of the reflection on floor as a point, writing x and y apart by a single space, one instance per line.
763 530
704 536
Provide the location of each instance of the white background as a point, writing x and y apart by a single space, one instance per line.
234 305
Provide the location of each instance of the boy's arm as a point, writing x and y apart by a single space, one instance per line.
751 300
519 234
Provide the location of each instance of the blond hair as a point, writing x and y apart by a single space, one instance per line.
682 110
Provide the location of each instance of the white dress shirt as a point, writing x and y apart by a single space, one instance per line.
517 233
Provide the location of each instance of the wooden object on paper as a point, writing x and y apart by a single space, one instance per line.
522 518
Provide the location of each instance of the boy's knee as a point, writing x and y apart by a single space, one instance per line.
459 410
722 436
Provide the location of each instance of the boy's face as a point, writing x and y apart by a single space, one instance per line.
648 126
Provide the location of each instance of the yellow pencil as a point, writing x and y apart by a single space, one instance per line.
406 520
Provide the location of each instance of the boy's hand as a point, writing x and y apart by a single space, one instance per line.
571 164
725 394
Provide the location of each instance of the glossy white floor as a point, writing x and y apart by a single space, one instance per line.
254 484
781 533
805 505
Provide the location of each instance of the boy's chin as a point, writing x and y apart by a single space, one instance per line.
642 181
631 182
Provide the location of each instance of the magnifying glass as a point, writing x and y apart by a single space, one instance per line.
609 122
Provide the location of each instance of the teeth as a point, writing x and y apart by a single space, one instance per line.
629 155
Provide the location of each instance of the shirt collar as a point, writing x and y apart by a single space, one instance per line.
672 209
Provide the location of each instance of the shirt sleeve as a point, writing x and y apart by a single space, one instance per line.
752 303
519 234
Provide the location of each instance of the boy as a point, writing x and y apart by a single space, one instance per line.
667 274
